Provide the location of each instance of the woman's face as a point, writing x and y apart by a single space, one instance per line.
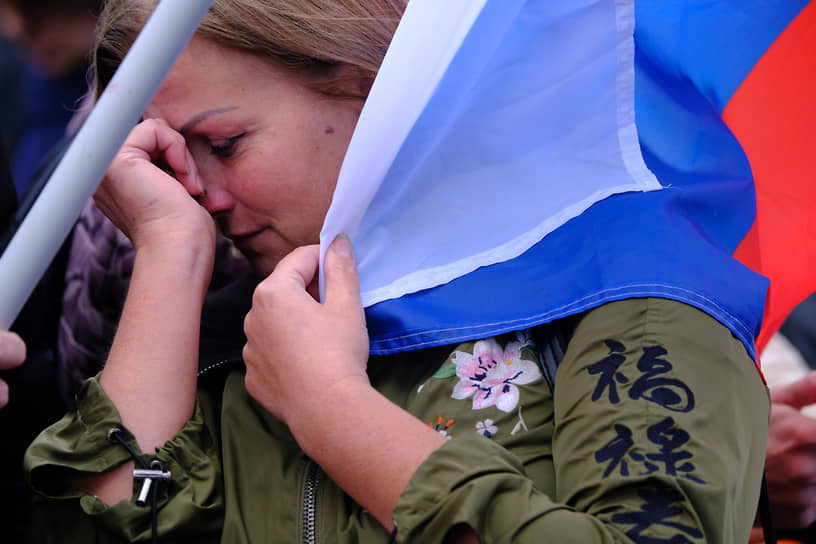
268 148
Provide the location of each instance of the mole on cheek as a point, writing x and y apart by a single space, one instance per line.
329 130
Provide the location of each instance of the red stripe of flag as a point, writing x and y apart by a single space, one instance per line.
773 115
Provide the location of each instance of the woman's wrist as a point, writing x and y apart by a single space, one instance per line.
383 445
150 374
182 256
317 416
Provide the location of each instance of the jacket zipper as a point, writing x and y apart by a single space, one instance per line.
219 364
313 474
310 487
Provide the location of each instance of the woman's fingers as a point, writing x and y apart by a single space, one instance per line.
296 347
156 141
146 191
300 266
12 350
342 282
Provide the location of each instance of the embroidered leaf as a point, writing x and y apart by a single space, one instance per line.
521 425
447 371
532 352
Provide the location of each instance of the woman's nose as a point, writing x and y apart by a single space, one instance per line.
215 200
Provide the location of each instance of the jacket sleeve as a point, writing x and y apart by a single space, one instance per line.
655 434
190 505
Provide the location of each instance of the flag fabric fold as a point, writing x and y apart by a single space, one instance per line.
507 112
561 155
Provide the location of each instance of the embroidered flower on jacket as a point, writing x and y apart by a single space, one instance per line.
486 428
492 373
440 428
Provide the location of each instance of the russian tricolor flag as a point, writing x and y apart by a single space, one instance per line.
518 161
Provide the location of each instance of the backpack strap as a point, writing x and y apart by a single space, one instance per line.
551 341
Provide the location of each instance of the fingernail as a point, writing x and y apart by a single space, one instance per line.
342 245
193 172
199 184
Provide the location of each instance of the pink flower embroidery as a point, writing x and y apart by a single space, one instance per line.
491 374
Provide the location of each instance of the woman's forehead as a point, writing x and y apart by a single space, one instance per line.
203 74
209 79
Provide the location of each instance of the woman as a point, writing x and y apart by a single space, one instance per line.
314 439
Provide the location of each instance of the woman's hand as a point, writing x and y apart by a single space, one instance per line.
12 354
150 373
148 204
306 363
299 351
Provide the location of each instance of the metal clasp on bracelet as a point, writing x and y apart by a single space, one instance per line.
156 472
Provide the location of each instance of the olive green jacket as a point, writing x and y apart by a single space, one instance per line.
655 434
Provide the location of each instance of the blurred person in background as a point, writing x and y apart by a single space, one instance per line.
790 465
53 38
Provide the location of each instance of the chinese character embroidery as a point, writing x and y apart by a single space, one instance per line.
615 451
672 460
669 438
608 370
657 510
669 393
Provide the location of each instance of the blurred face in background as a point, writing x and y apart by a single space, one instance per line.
55 42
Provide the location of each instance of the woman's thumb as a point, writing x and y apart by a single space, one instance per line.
342 283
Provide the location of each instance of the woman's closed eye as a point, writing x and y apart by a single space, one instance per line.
224 148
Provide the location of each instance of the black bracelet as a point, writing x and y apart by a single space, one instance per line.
154 472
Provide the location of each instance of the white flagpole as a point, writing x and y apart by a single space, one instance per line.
57 208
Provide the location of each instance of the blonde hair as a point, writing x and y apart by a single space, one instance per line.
312 37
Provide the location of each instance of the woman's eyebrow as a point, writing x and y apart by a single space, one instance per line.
194 120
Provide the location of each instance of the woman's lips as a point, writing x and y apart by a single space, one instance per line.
246 242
